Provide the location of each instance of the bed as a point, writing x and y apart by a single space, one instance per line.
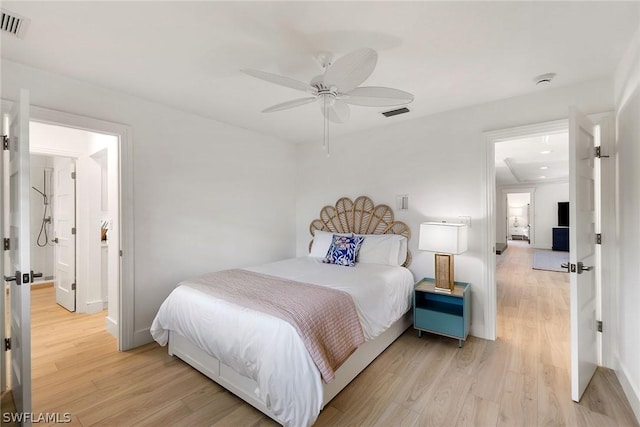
226 340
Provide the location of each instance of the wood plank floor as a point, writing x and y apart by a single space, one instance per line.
520 379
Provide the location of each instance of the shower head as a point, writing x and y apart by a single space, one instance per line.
44 196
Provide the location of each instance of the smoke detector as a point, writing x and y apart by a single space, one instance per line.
13 23
544 79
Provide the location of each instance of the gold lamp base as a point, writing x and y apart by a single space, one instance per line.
444 273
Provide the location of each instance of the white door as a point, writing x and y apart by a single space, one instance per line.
4 213
64 220
584 349
19 253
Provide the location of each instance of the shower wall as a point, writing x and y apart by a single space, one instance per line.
41 257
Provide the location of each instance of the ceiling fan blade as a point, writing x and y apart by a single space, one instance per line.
336 111
374 96
281 80
347 72
289 104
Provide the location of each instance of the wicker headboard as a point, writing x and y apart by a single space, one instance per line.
361 216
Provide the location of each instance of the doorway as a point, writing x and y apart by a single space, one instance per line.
518 216
21 303
495 204
53 226
532 177
585 215
82 225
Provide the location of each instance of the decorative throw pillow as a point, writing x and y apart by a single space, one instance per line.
343 250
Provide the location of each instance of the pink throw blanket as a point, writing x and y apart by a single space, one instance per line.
325 318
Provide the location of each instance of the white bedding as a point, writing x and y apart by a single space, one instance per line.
268 349
381 293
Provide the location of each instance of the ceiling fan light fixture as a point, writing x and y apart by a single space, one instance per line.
324 59
338 87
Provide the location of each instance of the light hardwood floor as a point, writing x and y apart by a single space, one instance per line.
520 379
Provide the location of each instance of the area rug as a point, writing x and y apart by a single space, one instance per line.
550 260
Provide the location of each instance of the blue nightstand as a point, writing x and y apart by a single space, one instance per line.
444 314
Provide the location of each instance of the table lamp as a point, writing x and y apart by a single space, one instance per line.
446 240
516 212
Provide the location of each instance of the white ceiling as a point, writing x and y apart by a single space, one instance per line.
541 159
448 54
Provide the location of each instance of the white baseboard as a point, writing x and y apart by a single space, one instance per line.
111 326
142 337
631 390
94 306
478 330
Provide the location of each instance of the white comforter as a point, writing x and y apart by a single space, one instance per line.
268 349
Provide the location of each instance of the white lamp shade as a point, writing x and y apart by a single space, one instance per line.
516 211
443 237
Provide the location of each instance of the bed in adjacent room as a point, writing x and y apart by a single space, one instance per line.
288 336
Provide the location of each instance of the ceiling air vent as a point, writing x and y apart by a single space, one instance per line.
13 23
395 112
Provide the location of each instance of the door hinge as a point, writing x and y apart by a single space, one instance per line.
5 142
73 175
599 154
7 344
73 230
120 252
598 239
73 286
599 325
7 243
573 268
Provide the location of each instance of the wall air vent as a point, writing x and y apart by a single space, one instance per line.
395 112
13 23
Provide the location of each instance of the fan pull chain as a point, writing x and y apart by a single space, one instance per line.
324 124
325 140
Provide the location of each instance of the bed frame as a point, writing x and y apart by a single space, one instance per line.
244 387
361 216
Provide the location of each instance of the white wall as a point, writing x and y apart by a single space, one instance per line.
104 154
627 301
438 162
501 216
207 195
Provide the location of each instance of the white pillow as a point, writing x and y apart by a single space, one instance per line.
387 249
402 255
321 243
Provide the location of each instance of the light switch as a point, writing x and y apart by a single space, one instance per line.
402 202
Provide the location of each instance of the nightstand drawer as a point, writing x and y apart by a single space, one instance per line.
439 322
439 313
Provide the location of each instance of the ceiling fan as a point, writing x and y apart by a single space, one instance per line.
338 86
